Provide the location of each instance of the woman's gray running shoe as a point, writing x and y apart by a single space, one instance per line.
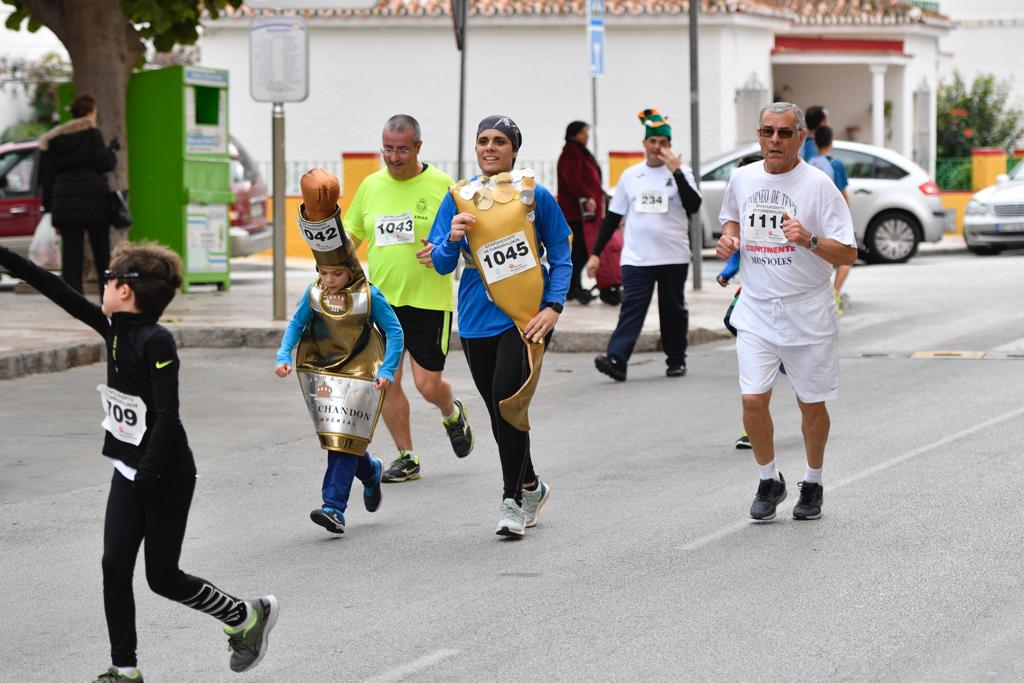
248 645
533 501
511 520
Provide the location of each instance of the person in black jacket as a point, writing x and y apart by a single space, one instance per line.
75 191
154 472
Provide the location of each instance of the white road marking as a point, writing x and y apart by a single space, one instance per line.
863 474
412 667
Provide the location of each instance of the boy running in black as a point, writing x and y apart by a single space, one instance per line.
154 473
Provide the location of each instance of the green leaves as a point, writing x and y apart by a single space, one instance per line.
980 115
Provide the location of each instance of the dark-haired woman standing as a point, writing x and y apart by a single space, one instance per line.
581 198
75 191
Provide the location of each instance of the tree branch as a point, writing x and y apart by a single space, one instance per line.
51 15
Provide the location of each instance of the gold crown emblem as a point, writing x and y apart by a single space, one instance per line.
323 391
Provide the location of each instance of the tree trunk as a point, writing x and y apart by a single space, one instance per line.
104 48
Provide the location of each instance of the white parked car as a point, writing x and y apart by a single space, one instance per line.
894 202
994 219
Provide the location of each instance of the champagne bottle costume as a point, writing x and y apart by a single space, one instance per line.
340 352
504 249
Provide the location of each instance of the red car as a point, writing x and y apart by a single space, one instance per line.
21 203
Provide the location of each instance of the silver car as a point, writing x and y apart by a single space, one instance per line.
894 202
994 219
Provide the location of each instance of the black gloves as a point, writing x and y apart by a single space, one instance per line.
114 145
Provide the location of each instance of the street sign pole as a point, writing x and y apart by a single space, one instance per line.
459 10
278 73
596 53
696 229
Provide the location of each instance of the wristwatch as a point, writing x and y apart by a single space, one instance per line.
556 307
814 243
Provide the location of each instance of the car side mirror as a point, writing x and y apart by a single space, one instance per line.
1002 179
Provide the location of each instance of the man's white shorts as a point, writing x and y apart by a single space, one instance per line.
802 334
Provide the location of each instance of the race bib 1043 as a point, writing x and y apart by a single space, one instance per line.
396 229
124 415
764 224
651 201
506 257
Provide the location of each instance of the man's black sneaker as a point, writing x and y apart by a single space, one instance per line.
675 371
743 443
769 494
459 432
404 468
809 505
613 367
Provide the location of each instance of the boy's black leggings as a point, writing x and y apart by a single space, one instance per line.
499 367
159 516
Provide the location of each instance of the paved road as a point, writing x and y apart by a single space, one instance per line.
643 566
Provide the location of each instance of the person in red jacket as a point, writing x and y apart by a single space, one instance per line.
581 198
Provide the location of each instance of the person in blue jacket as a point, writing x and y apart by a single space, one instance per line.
494 349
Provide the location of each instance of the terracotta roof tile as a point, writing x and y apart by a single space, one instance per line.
799 12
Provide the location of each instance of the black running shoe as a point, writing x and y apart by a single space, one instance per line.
371 492
769 494
404 468
675 371
809 505
743 443
613 367
459 432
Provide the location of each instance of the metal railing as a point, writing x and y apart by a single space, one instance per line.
956 174
546 170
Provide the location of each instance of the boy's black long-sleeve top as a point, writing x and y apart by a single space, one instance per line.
142 360
690 198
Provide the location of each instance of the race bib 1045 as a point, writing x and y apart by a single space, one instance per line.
506 257
124 415
764 224
396 229
651 201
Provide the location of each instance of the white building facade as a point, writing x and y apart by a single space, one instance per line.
874 65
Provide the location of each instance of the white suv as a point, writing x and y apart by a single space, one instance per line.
894 202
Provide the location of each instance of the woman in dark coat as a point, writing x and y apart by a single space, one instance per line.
581 197
75 191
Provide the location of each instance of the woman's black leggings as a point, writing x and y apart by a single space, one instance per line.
159 515
499 366
72 255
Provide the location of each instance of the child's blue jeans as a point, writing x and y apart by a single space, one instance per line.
341 469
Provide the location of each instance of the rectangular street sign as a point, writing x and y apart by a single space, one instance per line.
278 59
595 36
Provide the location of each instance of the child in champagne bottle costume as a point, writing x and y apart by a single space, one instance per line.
341 361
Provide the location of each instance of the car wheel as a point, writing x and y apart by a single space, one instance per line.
984 249
892 237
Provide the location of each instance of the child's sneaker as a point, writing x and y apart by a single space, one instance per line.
371 493
112 674
248 642
404 468
459 431
511 520
329 518
533 501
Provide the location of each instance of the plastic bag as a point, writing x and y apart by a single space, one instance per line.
44 250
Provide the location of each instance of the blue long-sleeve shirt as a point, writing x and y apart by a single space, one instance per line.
380 313
732 266
479 316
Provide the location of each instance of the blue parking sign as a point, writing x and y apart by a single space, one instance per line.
596 42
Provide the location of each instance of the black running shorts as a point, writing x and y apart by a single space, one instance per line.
426 335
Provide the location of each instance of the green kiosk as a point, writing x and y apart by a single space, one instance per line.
179 167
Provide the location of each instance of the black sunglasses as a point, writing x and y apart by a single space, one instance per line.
768 131
133 275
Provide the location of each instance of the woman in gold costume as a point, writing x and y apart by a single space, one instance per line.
503 223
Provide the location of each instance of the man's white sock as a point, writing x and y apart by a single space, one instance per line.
813 476
769 471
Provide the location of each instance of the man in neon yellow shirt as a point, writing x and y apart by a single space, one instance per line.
392 211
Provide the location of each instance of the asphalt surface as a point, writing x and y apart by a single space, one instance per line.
643 566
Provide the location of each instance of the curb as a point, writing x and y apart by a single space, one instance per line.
73 354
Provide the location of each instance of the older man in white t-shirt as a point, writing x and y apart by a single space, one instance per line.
791 227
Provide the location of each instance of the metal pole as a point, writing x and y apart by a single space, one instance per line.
280 288
696 230
593 108
463 12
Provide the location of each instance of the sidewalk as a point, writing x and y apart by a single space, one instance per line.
36 336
